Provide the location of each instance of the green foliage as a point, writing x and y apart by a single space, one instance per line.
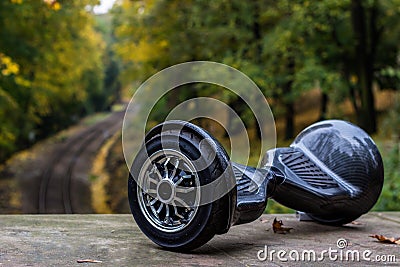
274 207
111 92
391 124
390 197
286 47
153 35
51 69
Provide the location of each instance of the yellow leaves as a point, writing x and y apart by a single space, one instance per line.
6 137
5 60
7 100
123 30
163 43
127 4
56 6
12 69
277 227
143 51
22 82
353 79
53 4
7 66
146 51
384 239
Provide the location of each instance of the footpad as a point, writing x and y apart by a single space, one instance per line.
245 185
307 170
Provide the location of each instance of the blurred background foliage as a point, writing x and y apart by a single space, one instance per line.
313 60
287 47
347 51
55 68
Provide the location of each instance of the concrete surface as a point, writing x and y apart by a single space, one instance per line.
115 240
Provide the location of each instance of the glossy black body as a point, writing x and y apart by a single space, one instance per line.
254 187
333 171
349 175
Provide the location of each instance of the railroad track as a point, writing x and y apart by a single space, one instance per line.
64 183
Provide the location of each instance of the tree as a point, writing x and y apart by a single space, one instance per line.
357 39
56 68
286 47
153 35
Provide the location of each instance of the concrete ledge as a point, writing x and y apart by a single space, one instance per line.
115 240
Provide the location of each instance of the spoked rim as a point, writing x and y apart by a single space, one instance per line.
168 190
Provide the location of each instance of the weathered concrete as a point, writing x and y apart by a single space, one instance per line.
115 240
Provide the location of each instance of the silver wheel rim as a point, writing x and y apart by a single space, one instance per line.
168 190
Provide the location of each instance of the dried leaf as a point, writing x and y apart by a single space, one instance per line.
277 227
384 239
89 261
356 223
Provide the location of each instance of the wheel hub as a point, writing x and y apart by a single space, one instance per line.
168 190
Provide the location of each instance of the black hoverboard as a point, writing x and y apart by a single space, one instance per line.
332 173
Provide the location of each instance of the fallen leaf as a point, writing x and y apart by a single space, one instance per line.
89 261
384 239
356 223
277 227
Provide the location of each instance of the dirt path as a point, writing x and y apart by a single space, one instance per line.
57 178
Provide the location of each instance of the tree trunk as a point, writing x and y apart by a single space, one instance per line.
258 52
324 106
289 102
364 62
289 121
238 105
